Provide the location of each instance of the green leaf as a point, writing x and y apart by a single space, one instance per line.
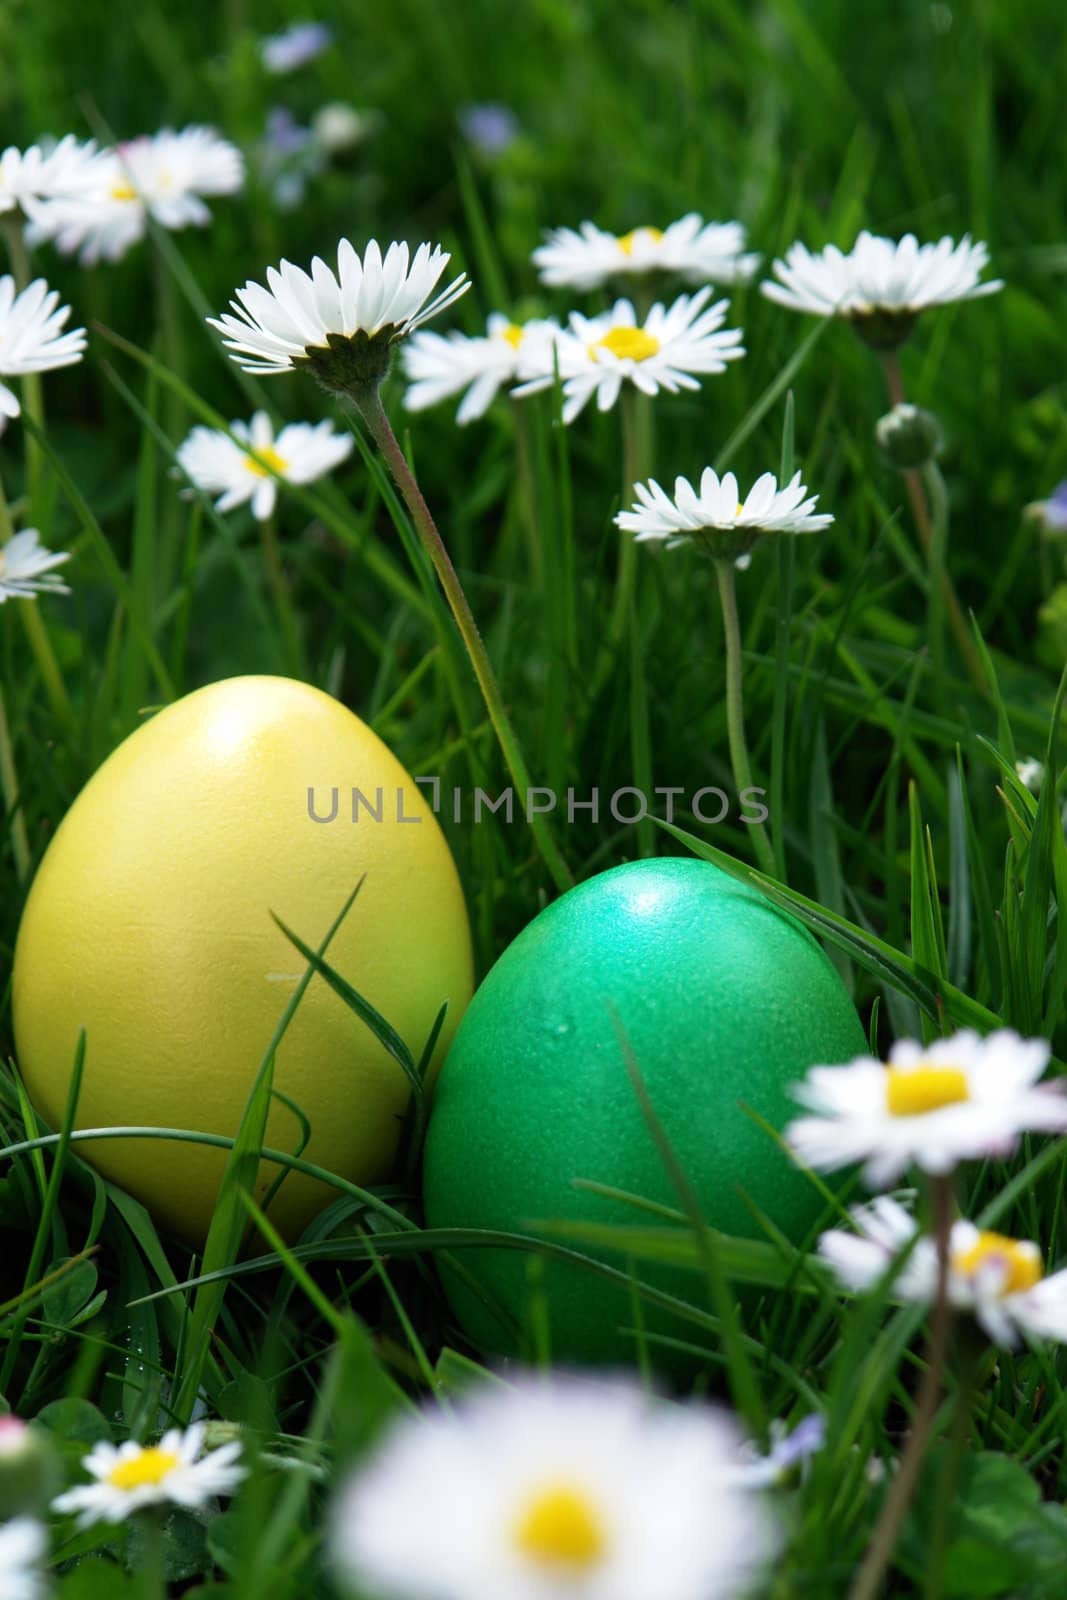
385 1034
185 1548
98 1578
927 938
979 881
75 1421
825 851
64 1303
239 1178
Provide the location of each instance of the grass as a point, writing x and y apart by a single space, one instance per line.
901 833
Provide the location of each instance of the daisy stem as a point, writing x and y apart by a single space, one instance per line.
735 718
970 1356
626 618
37 634
168 311
279 589
528 492
868 1582
153 1580
933 546
636 455
937 499
636 465
9 791
369 404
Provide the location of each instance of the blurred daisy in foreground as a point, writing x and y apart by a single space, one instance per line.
934 1105
698 251
27 568
439 366
554 1488
47 171
239 470
22 1547
715 519
597 355
32 337
341 325
880 285
164 176
1001 1281
29 1463
132 1476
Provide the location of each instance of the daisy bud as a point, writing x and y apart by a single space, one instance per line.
1031 774
220 1432
29 1470
909 437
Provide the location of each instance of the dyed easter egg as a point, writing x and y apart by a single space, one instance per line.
149 925
724 1001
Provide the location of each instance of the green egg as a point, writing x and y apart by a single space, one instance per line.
725 1001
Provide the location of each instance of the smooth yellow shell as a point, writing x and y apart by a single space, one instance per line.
149 924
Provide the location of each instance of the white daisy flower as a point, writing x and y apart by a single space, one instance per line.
47 171
698 251
1000 1281
23 1544
597 355
164 176
239 469
557 1488
934 1105
881 285
134 1475
439 366
26 567
342 325
716 519
32 337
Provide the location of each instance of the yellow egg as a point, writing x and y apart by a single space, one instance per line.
149 924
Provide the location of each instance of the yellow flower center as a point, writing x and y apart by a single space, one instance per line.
634 343
922 1089
264 459
560 1528
152 1466
513 334
123 191
627 241
1020 1258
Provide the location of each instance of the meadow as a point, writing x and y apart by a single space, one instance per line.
902 671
